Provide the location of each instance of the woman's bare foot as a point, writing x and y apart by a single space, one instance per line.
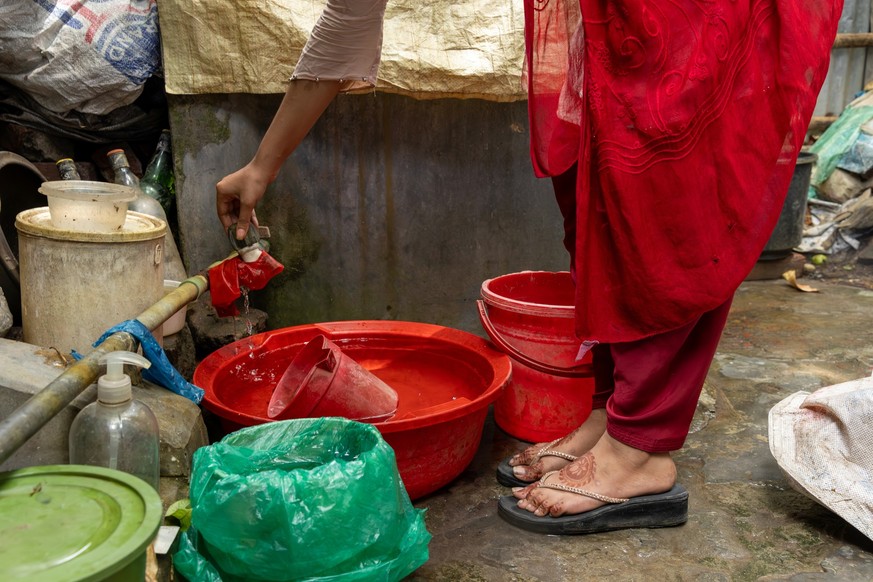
527 467
611 469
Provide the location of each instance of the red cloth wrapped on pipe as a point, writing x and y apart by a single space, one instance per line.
227 277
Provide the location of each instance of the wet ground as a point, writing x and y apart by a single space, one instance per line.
854 269
745 522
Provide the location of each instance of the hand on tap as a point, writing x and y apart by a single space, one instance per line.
238 193
236 196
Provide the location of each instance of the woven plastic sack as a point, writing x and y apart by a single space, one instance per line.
91 56
823 443
304 499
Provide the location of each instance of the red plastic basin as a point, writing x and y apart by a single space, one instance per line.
445 380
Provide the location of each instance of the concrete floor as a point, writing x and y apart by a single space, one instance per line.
745 522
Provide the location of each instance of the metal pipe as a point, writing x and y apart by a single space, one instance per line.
39 409
162 310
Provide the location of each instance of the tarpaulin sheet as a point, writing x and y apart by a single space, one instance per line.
435 49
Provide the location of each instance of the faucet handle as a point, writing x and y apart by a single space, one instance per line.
252 237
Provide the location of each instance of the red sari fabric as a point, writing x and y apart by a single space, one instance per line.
685 119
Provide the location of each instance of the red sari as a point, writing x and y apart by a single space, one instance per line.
685 119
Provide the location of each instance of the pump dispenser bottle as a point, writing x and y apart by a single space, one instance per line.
117 431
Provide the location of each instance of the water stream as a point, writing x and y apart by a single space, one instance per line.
249 328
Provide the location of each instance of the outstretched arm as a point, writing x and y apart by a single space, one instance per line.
341 54
238 193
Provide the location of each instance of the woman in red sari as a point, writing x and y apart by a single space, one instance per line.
670 131
671 138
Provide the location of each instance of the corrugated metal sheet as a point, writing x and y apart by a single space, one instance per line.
850 68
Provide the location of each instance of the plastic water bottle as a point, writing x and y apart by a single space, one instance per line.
117 431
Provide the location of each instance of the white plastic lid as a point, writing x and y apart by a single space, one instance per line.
114 387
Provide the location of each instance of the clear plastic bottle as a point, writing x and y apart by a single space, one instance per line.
117 431
174 268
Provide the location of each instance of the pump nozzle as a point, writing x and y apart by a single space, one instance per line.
114 386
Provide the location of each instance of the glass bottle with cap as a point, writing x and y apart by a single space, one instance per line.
67 169
122 174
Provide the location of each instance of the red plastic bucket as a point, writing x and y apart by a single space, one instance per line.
323 381
531 316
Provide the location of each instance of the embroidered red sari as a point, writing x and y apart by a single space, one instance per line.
685 118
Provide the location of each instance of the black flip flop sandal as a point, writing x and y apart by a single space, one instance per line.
660 510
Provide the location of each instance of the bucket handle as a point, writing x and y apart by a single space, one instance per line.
576 371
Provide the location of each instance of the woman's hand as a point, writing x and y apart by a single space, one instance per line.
236 196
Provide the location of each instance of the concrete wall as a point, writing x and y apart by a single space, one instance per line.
392 208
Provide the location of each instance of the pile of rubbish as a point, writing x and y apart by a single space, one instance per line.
840 209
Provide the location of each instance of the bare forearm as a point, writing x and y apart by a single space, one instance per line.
344 44
303 104
238 193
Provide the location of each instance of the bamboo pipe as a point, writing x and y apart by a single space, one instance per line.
39 409
853 40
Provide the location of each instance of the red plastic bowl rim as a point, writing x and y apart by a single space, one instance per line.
500 364
493 298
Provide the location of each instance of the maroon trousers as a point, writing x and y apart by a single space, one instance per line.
649 387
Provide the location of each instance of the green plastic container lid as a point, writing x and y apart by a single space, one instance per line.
73 522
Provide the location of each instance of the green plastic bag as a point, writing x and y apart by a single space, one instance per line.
836 141
306 499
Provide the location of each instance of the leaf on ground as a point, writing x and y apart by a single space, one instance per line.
791 277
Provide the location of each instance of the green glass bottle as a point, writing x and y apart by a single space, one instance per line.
158 180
